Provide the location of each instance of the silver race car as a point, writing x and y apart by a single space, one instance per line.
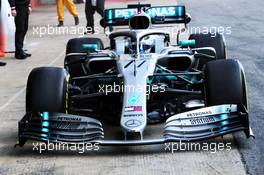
142 89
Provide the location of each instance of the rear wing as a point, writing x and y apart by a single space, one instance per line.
158 15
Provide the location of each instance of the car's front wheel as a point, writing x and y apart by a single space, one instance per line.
225 83
47 90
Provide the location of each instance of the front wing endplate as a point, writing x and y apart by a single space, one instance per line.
196 125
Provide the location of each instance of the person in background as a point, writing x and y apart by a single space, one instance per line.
79 1
91 6
21 10
72 9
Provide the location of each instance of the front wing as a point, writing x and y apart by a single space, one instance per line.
196 125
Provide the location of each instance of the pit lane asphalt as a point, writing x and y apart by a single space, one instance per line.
246 44
49 50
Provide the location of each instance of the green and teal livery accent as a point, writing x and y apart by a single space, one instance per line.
90 47
187 43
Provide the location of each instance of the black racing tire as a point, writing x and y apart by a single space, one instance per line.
225 83
216 41
47 90
75 46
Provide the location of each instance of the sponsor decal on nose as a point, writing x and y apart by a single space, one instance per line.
133 108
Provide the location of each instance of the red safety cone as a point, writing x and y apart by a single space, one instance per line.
2 41
2 54
2 46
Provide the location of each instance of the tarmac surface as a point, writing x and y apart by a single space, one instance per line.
246 156
246 44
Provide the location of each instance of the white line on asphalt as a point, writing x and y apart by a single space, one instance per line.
56 59
12 99
21 91
33 44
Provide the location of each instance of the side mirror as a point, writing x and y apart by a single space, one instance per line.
188 18
90 47
102 23
187 43
205 52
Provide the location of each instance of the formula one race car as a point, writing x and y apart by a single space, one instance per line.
140 90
